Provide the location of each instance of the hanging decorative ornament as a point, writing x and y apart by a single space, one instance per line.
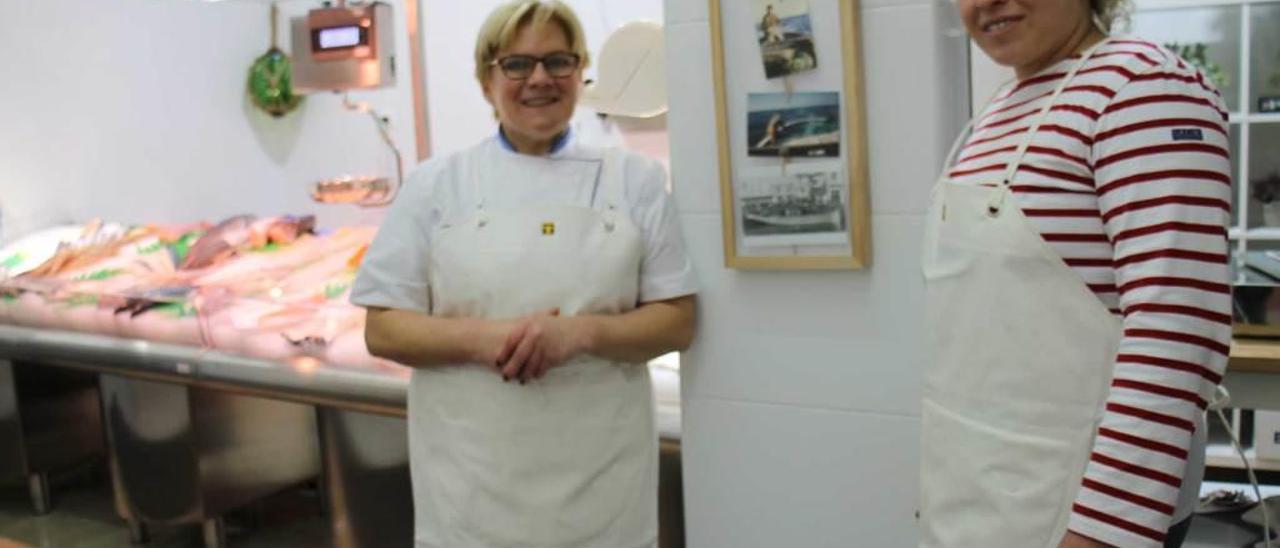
270 78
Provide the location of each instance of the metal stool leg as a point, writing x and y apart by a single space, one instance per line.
38 485
215 533
138 533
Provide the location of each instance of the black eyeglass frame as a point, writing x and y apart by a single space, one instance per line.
538 60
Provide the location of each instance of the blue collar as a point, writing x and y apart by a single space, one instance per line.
556 145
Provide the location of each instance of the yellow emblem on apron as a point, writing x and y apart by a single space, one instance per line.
548 229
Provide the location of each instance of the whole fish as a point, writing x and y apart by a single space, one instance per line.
219 243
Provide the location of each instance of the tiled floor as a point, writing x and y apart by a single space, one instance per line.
83 517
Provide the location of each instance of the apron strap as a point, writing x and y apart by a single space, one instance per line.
471 171
611 183
997 200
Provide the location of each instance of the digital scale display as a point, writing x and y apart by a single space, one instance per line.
339 37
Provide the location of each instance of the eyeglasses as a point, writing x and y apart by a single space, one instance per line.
520 67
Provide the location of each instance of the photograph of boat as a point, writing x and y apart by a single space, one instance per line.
802 208
786 37
793 125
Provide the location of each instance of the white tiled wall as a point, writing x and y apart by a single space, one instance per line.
769 475
801 393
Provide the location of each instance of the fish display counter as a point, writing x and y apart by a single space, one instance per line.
268 288
229 365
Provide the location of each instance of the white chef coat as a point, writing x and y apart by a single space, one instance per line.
393 274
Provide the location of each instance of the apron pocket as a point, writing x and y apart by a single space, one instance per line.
984 485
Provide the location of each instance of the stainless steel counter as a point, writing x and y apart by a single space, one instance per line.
304 381
364 458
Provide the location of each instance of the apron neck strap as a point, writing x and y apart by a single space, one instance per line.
609 180
1013 166
475 177
1011 169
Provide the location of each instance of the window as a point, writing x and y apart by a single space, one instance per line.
1237 44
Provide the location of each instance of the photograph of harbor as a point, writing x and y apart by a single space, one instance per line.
793 125
804 207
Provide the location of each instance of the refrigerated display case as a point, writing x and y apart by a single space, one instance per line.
231 366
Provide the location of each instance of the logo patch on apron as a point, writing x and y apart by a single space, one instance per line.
548 229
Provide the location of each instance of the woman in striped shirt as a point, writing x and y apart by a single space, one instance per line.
1079 301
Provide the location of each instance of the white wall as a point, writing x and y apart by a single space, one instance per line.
135 110
801 393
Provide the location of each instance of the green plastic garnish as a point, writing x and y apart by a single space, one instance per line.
335 290
182 247
82 300
99 275
149 249
175 310
12 261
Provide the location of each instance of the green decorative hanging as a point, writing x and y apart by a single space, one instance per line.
271 78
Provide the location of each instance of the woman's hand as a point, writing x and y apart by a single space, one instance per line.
1073 540
490 339
541 342
491 342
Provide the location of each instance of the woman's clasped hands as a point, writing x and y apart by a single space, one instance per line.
535 344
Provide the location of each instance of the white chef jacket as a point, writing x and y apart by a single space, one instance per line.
393 274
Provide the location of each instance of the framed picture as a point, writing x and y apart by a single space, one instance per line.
791 134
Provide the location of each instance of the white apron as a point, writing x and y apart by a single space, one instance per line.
568 460
1022 354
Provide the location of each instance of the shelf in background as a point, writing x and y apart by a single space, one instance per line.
1255 355
1221 455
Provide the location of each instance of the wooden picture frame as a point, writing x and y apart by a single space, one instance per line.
772 235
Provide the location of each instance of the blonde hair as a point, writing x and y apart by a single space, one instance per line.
1108 12
500 28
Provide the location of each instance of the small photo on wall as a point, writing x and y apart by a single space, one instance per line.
801 207
797 124
785 36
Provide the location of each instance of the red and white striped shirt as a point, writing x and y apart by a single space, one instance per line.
1129 181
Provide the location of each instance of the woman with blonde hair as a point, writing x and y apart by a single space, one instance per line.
1079 303
527 280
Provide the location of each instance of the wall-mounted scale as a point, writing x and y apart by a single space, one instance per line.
343 48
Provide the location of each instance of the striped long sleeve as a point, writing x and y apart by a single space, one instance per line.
1161 173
